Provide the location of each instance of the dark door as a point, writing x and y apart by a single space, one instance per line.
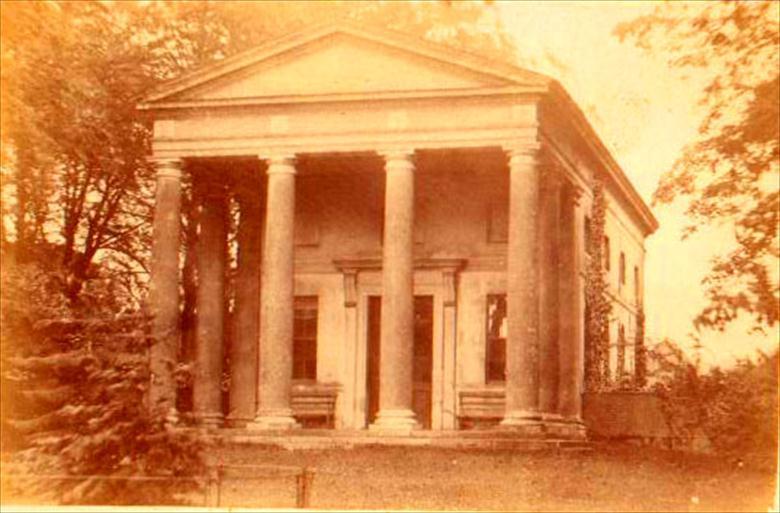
421 365
372 355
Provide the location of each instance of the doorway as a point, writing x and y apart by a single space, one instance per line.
422 363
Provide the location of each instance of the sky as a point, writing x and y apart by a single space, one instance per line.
645 113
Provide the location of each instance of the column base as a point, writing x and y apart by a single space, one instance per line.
234 421
172 418
273 420
209 420
569 428
525 423
551 417
394 422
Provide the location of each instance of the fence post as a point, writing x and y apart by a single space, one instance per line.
303 481
213 488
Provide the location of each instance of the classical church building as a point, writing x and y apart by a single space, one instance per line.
390 237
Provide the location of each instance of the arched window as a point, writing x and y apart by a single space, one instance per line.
606 253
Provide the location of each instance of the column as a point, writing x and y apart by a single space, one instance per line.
276 326
522 351
397 332
549 206
450 335
246 318
210 322
349 401
571 311
164 288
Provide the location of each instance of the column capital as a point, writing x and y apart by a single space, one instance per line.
398 159
575 192
167 167
522 156
280 164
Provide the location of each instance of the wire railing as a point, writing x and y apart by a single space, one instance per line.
211 484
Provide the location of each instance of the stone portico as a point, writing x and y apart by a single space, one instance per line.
391 199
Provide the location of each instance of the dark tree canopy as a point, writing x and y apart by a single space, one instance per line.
730 174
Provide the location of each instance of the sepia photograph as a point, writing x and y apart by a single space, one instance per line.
375 255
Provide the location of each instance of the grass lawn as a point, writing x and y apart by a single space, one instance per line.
615 478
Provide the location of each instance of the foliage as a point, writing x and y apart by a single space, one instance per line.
74 383
640 351
730 174
735 408
597 299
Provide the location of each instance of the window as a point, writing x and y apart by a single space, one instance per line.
606 253
495 357
305 338
498 222
622 268
621 353
586 234
637 291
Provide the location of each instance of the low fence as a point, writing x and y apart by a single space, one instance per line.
212 483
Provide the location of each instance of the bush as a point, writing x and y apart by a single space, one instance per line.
74 386
735 408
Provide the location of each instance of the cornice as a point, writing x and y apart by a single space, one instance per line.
613 170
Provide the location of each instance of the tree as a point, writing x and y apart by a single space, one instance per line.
730 174
74 380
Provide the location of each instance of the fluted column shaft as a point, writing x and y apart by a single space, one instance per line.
276 325
164 288
397 330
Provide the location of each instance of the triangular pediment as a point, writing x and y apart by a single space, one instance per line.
339 61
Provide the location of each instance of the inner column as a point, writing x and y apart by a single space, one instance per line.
571 343
397 318
210 323
246 320
548 290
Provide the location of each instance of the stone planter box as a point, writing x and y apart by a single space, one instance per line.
625 415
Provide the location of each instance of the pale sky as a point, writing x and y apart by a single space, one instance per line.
645 113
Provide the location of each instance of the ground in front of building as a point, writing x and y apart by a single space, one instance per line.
608 478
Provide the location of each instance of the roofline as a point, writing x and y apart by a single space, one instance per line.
260 101
433 50
613 168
